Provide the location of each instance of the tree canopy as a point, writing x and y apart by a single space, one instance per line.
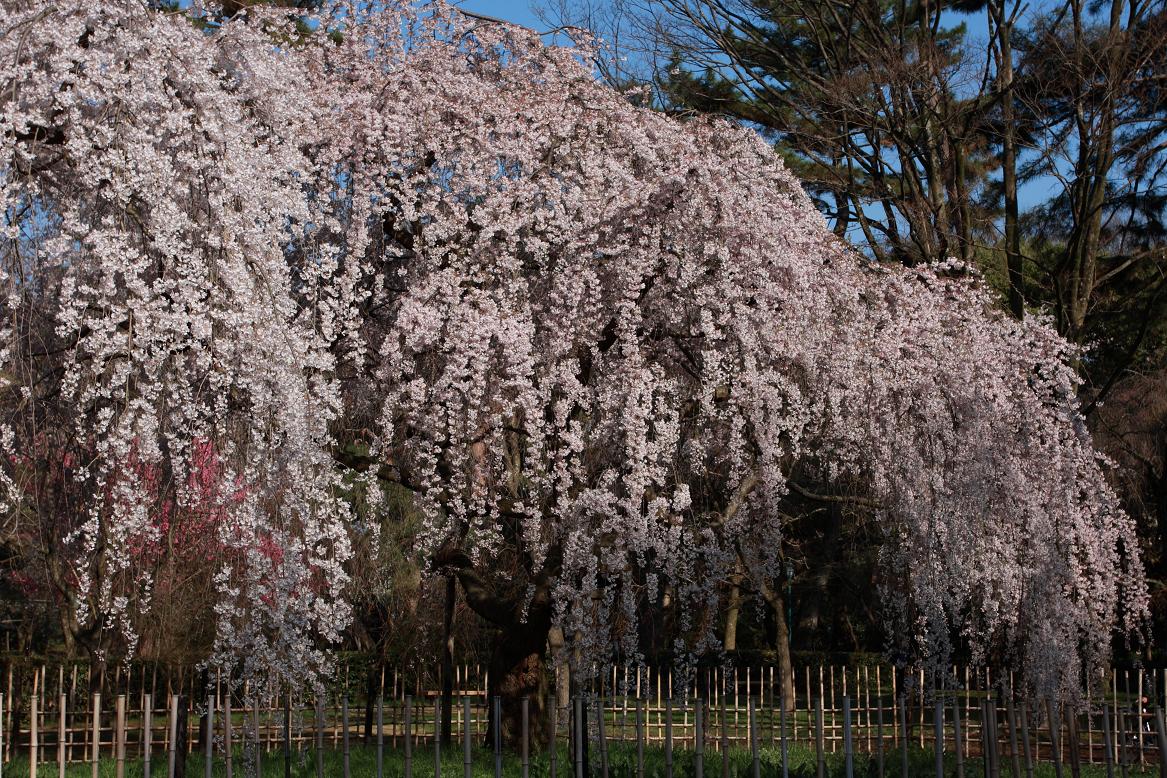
608 354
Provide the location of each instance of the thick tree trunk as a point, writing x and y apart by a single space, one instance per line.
518 661
518 669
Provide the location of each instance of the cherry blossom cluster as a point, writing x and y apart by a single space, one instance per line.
614 346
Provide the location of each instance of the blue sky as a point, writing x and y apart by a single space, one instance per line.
518 12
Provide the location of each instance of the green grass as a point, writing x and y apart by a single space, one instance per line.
622 764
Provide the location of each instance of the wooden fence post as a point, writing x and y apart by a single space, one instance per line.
958 748
878 728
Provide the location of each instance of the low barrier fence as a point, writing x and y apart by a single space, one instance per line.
871 710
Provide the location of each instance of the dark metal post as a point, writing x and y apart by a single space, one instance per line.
466 756
408 739
497 739
347 766
699 737
380 736
526 754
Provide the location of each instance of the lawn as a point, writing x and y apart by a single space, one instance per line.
622 764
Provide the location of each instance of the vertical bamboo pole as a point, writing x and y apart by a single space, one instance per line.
878 727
